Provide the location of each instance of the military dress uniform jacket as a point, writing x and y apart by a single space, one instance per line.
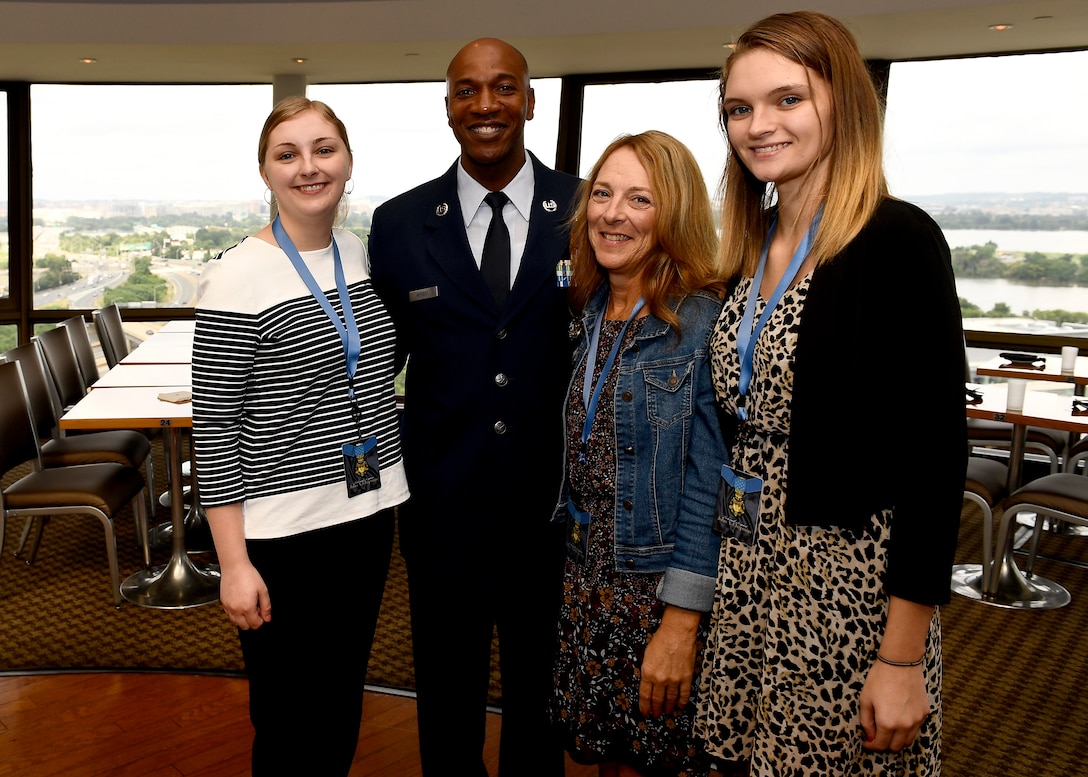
484 390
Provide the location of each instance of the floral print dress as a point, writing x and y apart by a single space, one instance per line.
798 616
607 617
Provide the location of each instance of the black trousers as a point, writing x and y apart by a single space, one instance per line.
307 666
502 573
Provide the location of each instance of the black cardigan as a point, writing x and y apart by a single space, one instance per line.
878 417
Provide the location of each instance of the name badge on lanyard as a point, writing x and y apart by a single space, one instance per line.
738 492
360 458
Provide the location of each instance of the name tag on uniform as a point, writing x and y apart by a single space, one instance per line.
421 294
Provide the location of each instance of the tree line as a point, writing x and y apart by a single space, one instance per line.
984 219
1031 267
969 309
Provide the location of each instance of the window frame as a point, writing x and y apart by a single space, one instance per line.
17 308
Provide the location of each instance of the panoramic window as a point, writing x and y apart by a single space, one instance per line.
691 117
994 149
136 186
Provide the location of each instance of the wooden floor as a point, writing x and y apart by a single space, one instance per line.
162 725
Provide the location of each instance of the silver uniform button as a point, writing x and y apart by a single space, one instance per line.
501 379
500 427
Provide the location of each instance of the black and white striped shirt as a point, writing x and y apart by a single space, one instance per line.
270 403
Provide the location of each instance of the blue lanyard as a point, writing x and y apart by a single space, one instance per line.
747 335
591 393
347 329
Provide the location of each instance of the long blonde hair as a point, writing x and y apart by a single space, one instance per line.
682 259
289 108
855 182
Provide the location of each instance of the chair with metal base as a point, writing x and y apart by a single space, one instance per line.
1048 443
1077 454
122 446
1061 497
985 485
96 490
68 384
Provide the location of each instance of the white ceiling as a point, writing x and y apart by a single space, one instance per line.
252 41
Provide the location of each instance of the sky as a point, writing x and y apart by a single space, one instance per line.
996 124
993 124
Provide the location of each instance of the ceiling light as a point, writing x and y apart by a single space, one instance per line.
299 60
1000 27
88 60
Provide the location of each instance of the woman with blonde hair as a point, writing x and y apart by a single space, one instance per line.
824 654
643 448
297 446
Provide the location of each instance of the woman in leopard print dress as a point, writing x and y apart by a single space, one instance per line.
824 653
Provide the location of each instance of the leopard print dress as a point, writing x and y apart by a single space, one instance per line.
798 616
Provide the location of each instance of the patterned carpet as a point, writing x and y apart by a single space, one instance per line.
1014 703
58 613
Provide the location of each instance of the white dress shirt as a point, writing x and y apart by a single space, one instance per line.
477 213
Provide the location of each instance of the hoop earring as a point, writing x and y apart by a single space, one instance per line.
268 196
347 190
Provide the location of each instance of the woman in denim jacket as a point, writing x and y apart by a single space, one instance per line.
641 475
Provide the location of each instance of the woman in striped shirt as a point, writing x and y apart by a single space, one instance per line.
298 454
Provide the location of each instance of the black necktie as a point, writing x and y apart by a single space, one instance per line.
495 263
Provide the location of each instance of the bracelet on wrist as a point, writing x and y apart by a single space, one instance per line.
883 660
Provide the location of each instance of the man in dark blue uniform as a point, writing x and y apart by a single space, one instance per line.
470 279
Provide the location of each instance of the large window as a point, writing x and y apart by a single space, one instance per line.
687 110
995 149
135 186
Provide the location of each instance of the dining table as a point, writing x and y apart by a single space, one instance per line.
1041 367
162 348
154 395
177 325
998 580
136 375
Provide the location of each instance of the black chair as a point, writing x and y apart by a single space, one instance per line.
1077 454
96 490
111 334
63 366
81 344
1049 443
985 485
122 446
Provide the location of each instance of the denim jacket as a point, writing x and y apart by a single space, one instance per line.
669 451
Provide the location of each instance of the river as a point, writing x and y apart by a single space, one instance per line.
1068 242
987 292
